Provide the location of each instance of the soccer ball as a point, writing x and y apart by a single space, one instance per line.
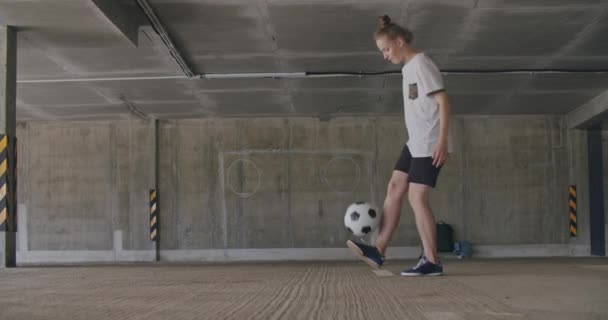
362 219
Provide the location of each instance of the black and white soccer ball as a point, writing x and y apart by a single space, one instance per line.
362 218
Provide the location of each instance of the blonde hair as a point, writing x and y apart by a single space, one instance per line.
392 31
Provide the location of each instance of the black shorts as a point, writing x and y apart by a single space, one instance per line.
419 170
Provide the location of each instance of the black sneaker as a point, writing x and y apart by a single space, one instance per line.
369 254
424 268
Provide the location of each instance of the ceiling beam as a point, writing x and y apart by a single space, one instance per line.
166 39
124 17
589 114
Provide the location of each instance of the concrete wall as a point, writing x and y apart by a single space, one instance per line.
605 162
284 183
80 183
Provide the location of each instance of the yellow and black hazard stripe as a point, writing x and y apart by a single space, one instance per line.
572 201
153 215
3 182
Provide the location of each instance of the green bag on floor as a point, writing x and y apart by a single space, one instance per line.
445 239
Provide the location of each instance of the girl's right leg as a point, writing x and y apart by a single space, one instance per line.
397 188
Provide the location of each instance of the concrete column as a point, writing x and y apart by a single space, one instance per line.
156 182
8 120
596 191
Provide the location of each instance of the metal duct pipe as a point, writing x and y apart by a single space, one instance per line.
312 74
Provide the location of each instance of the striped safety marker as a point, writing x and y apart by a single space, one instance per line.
3 181
153 216
572 201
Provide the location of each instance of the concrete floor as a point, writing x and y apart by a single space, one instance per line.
476 289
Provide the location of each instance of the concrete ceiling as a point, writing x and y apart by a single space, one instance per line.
65 41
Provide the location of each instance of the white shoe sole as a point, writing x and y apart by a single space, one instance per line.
357 252
421 275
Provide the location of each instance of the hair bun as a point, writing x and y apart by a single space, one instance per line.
389 29
384 21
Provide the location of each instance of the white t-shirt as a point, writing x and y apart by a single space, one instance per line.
421 78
